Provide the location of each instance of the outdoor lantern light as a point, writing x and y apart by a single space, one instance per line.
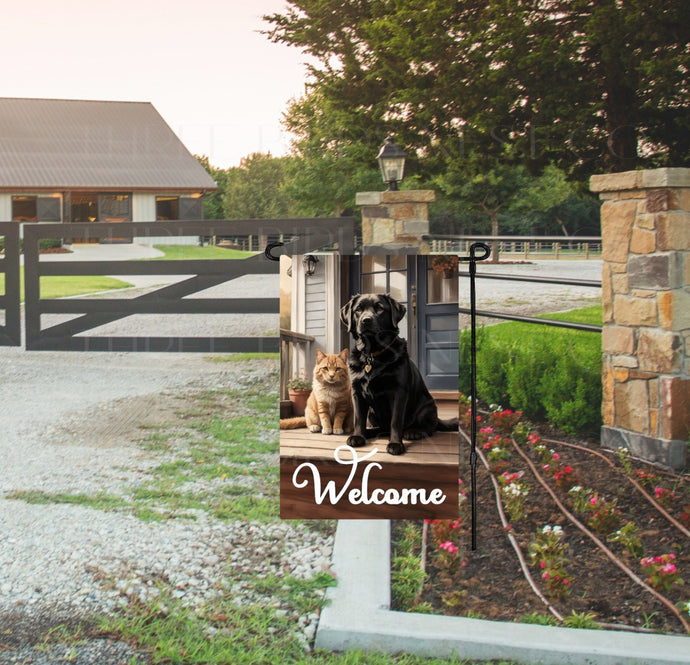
309 264
392 162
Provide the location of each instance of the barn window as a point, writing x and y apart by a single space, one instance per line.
36 208
167 207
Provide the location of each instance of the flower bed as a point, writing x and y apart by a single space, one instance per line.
567 533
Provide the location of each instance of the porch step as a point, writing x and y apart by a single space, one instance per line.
445 395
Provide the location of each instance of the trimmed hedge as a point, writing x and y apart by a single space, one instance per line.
43 243
550 374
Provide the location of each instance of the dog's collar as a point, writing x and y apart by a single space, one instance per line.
369 357
373 354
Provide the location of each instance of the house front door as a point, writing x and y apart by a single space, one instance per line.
437 325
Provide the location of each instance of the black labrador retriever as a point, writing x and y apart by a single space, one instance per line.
387 387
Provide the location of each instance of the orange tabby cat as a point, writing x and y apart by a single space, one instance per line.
329 408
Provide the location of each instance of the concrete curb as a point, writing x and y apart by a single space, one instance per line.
358 617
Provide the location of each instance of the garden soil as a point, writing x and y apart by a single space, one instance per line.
489 582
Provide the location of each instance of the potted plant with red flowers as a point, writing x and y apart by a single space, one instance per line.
446 266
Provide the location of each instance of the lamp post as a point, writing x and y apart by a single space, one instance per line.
392 163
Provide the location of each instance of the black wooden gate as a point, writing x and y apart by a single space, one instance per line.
299 236
10 330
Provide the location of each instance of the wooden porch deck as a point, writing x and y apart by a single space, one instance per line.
441 448
428 463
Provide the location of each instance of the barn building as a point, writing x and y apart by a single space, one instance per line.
95 161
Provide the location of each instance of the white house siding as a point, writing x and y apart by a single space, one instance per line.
143 207
315 297
5 207
144 210
316 310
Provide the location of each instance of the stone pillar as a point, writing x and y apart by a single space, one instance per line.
395 222
645 225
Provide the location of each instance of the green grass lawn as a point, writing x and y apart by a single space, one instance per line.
591 315
60 286
180 252
507 333
64 286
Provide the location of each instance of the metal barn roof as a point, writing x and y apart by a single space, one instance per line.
49 143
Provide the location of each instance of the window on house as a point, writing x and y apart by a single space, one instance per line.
24 209
36 208
48 208
167 207
191 207
386 274
114 208
84 207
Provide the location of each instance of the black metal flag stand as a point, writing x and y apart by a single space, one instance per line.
473 258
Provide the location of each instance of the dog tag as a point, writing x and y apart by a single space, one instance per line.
367 368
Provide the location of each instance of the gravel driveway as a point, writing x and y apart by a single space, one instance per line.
71 423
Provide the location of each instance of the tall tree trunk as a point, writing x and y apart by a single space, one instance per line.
621 154
621 109
493 214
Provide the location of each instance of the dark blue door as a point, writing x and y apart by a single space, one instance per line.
437 317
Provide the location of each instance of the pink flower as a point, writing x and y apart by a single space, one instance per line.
449 547
556 456
669 568
545 575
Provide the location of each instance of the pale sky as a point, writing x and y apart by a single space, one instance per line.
220 85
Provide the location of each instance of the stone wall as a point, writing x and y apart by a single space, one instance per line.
395 221
645 220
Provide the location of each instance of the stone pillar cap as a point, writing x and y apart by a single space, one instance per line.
401 196
647 179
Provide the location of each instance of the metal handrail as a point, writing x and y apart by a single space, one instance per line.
289 339
588 327
538 280
531 319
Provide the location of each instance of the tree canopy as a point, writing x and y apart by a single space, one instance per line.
254 189
587 85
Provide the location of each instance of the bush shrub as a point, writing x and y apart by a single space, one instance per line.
49 243
550 374
43 243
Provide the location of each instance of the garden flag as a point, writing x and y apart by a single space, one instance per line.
369 387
